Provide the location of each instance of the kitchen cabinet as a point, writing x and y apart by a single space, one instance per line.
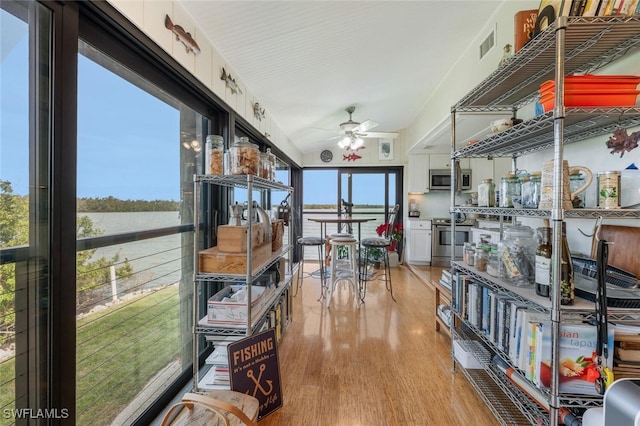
419 244
481 168
419 173
443 161
512 86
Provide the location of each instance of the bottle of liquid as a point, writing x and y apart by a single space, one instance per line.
567 284
543 261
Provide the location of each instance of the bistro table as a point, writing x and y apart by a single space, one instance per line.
340 220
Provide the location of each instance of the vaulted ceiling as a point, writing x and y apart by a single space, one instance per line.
306 61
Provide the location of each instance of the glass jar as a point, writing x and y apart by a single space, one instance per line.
272 162
244 158
493 262
530 191
265 166
214 152
576 181
486 193
517 252
480 259
509 189
469 253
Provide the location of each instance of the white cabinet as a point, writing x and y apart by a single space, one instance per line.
443 161
419 244
419 173
501 166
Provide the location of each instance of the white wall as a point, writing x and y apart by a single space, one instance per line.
149 15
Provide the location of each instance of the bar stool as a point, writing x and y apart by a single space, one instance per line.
349 271
311 242
380 242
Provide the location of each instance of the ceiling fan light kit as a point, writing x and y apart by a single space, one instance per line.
354 132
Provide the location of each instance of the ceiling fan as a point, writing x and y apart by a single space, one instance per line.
355 132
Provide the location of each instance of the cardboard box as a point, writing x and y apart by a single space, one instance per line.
233 239
226 311
212 260
277 232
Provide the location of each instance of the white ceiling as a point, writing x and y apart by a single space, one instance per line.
306 61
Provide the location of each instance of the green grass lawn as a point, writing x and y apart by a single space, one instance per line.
120 349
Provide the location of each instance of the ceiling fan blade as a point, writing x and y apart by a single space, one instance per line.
365 125
379 135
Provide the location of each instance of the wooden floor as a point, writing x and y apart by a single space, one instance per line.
381 364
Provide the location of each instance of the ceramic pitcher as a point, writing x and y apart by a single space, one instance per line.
546 193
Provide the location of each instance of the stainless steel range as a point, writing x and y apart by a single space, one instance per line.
442 242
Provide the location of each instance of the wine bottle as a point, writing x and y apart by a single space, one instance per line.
543 262
567 284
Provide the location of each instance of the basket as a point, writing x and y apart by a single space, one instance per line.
220 407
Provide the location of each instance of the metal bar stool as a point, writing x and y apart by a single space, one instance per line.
311 242
350 271
380 242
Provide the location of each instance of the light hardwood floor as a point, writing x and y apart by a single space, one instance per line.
380 364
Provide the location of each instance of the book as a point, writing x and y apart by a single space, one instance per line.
528 324
628 7
604 4
524 27
591 8
577 368
622 354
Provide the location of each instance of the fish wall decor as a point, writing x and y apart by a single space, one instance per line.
230 82
351 157
258 112
182 36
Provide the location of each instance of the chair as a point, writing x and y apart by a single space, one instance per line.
311 242
347 272
379 242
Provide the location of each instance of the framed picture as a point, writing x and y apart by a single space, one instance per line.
385 149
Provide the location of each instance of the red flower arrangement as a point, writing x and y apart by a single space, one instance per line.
397 230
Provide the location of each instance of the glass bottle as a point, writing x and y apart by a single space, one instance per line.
567 284
480 259
272 163
543 261
486 193
576 181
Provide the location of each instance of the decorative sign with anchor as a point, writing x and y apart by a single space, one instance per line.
254 370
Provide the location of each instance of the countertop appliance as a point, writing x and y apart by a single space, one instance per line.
442 242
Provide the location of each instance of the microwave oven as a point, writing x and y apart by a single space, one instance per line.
440 180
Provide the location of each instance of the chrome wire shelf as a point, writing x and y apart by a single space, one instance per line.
506 401
242 181
537 134
275 256
590 43
572 214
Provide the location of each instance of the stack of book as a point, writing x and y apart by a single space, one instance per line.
445 279
626 356
217 376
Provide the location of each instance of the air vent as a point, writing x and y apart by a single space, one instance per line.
487 44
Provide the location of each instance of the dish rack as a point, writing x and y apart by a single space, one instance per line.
622 286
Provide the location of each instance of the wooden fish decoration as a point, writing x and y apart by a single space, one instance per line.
257 112
351 157
182 36
230 82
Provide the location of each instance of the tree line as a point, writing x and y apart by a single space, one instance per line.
113 204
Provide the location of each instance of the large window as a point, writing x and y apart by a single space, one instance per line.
138 148
366 192
25 235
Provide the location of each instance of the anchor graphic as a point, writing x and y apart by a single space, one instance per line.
257 382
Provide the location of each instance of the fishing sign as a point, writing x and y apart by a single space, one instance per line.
254 370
